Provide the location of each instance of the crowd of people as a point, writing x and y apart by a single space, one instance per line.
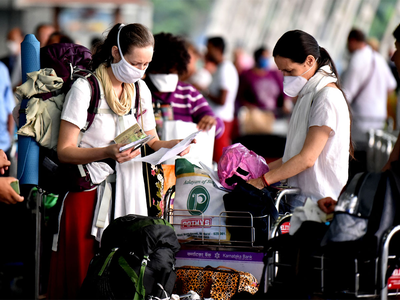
330 115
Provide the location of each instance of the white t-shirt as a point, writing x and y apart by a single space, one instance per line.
330 171
224 78
370 108
130 192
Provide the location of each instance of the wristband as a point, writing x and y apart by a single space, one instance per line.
264 180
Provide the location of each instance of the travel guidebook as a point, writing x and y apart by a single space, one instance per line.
134 137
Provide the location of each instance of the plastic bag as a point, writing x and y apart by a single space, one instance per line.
238 160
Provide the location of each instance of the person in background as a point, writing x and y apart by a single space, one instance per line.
395 154
7 103
200 69
367 83
171 60
318 144
94 41
118 62
13 59
59 37
222 92
262 87
43 32
242 60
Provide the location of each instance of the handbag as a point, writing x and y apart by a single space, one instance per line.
219 283
153 175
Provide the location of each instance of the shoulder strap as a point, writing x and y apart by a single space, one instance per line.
137 100
95 98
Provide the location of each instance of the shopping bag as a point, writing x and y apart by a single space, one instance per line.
198 204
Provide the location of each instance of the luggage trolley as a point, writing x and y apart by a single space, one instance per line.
353 269
241 255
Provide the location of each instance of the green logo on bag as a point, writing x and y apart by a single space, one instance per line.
198 199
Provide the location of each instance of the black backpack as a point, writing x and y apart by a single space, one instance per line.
136 260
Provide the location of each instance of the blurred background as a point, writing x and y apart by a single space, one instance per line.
244 24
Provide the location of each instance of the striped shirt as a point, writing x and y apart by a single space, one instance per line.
188 104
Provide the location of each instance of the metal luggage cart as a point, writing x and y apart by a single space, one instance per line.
208 252
170 213
351 269
369 277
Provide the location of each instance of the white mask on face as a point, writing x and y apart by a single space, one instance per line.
12 47
124 71
292 85
165 83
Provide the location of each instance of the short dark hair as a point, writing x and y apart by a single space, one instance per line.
396 33
170 53
356 34
258 53
218 42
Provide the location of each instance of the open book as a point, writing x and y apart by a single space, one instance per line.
133 137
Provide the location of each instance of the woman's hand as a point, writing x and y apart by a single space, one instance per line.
184 152
4 162
206 123
257 182
121 157
327 205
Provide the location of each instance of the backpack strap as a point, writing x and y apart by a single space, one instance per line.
137 280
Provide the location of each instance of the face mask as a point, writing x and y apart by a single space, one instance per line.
124 71
292 85
263 63
12 47
165 83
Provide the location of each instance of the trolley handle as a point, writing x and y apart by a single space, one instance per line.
283 192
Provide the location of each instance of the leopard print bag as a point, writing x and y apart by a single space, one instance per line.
219 283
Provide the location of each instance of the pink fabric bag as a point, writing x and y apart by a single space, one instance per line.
238 160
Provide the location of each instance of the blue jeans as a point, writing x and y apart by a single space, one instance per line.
292 201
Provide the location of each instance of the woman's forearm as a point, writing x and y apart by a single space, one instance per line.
77 156
292 167
275 164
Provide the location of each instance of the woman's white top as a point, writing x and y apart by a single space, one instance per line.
319 105
130 196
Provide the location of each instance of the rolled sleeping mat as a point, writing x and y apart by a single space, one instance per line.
28 148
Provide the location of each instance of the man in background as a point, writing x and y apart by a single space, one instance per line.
43 32
222 91
367 83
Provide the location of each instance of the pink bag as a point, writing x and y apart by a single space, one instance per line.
238 160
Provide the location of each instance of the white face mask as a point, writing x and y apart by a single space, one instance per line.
165 83
292 85
12 47
124 71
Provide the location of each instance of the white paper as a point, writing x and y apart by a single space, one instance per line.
202 151
163 154
214 176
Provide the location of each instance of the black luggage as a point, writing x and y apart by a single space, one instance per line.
136 260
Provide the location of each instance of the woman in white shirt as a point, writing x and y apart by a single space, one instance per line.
118 63
318 144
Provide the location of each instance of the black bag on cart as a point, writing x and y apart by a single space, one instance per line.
248 208
136 260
